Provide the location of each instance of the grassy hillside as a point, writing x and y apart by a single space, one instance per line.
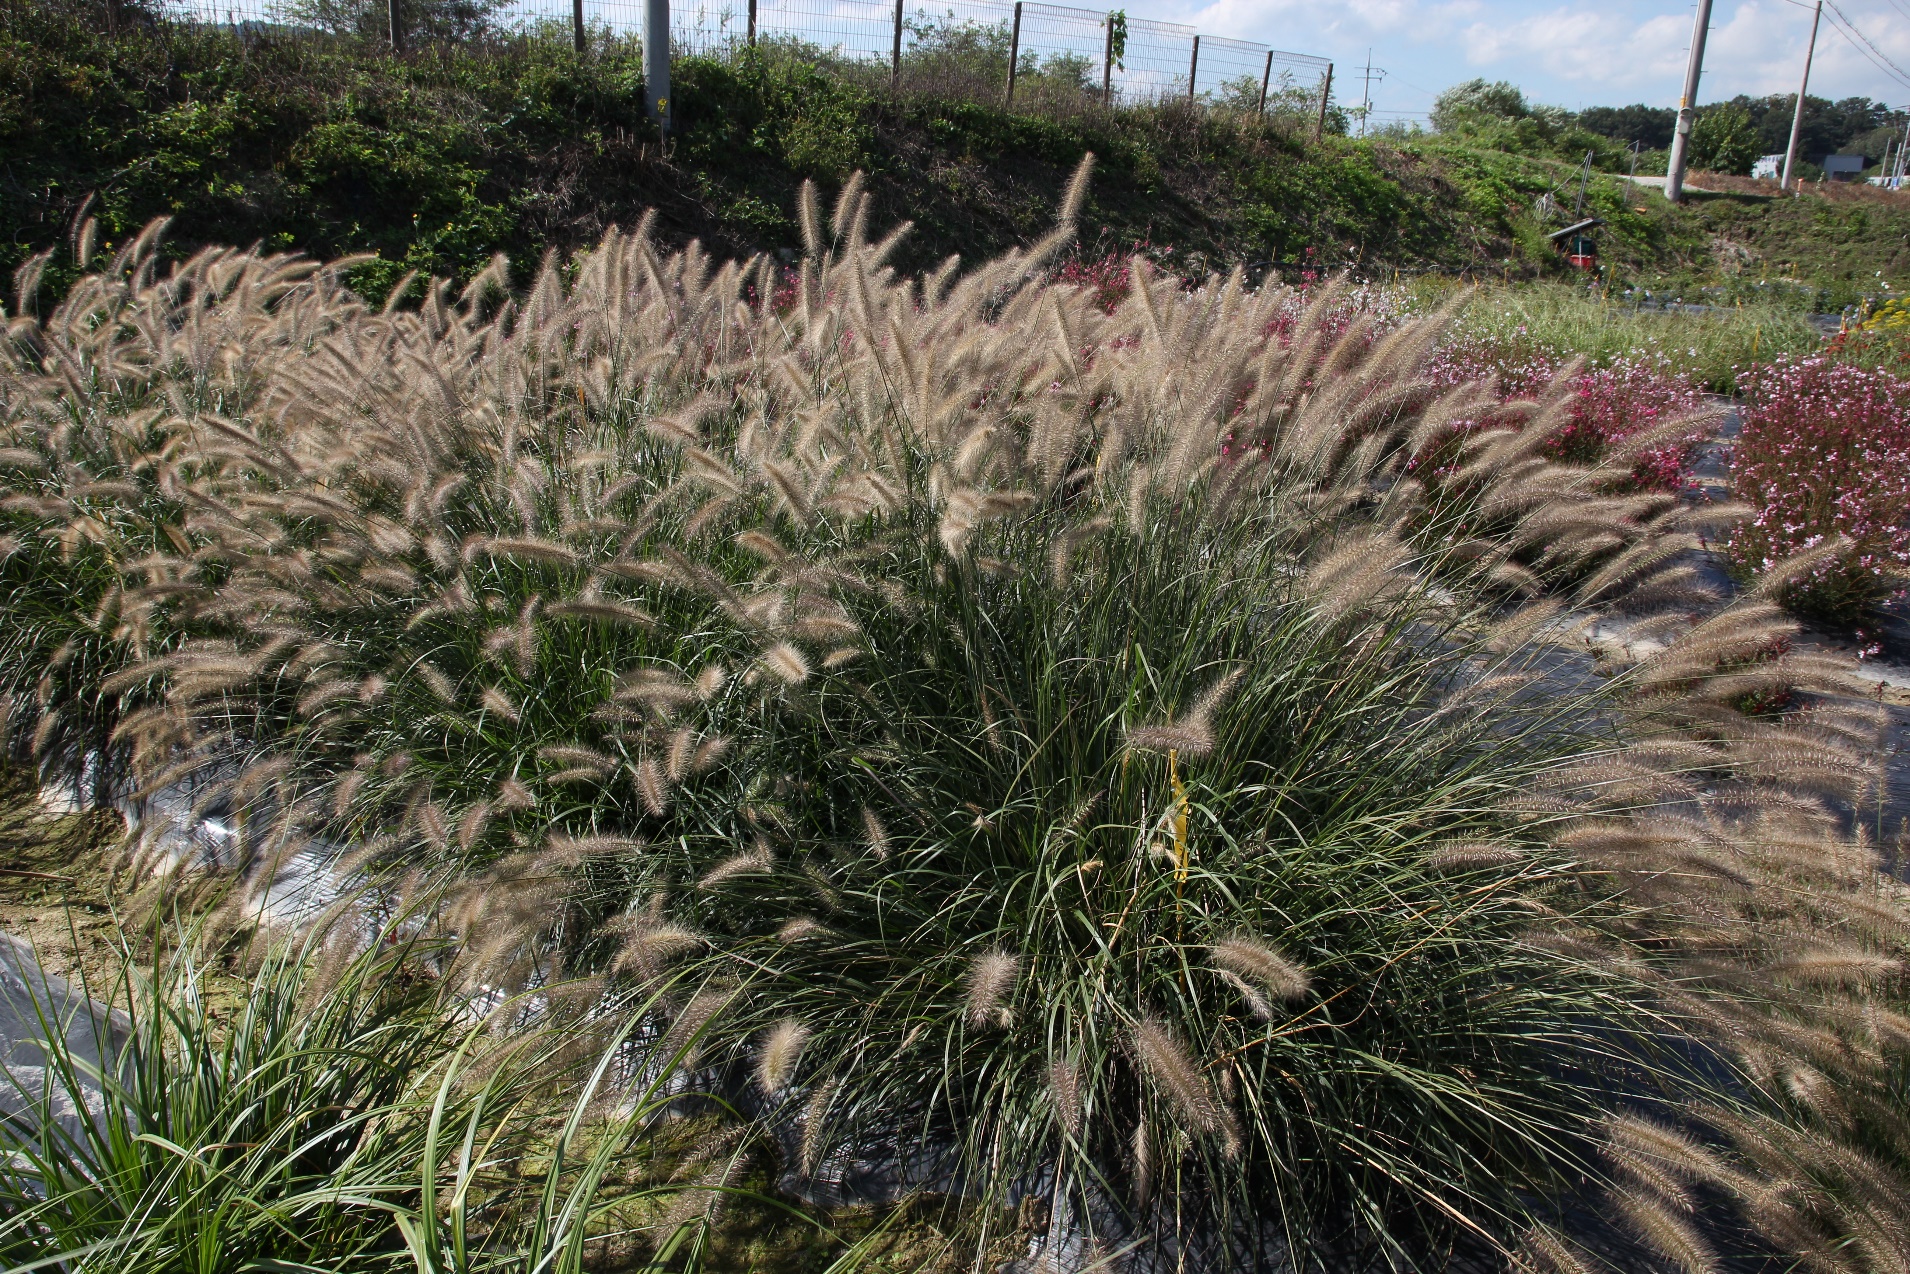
436 162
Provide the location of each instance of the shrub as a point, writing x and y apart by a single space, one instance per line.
1724 140
1496 116
1824 460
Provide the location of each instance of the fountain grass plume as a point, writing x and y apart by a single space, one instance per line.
1078 742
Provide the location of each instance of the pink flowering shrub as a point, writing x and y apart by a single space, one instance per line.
1826 452
1108 279
1610 403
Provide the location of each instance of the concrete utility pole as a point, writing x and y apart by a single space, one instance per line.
1803 87
656 62
1681 140
1366 93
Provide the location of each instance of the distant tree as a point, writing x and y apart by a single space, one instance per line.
1497 116
1828 127
423 19
1724 140
1851 118
951 50
1874 142
1476 102
1649 126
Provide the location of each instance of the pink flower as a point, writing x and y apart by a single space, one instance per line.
1826 452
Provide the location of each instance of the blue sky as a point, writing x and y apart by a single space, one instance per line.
1569 52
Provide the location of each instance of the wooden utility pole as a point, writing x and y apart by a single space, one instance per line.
1687 107
1803 87
895 52
1193 69
395 16
577 24
1014 52
1326 95
1266 78
1107 62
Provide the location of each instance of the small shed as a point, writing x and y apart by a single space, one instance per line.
1844 167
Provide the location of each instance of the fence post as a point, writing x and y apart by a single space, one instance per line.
895 54
1014 52
656 62
1107 62
577 24
396 17
1193 70
1326 94
1266 78
752 21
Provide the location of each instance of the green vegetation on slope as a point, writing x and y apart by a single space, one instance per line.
436 162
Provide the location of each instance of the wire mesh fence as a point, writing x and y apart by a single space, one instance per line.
1156 63
1029 53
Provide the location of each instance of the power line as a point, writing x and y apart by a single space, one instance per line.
1868 47
1882 66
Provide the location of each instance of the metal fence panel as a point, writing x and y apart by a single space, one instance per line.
528 15
1157 64
956 47
1063 52
1228 72
1064 56
239 13
620 18
831 30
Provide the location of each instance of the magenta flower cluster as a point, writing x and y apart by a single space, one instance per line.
1825 452
1609 404
1108 279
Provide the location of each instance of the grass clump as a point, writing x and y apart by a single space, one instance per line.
1040 746
335 1109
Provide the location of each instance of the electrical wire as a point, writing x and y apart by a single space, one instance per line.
1865 45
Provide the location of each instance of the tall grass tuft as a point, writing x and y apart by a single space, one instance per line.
1048 749
337 1109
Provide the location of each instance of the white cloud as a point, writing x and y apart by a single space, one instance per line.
1593 47
1574 52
